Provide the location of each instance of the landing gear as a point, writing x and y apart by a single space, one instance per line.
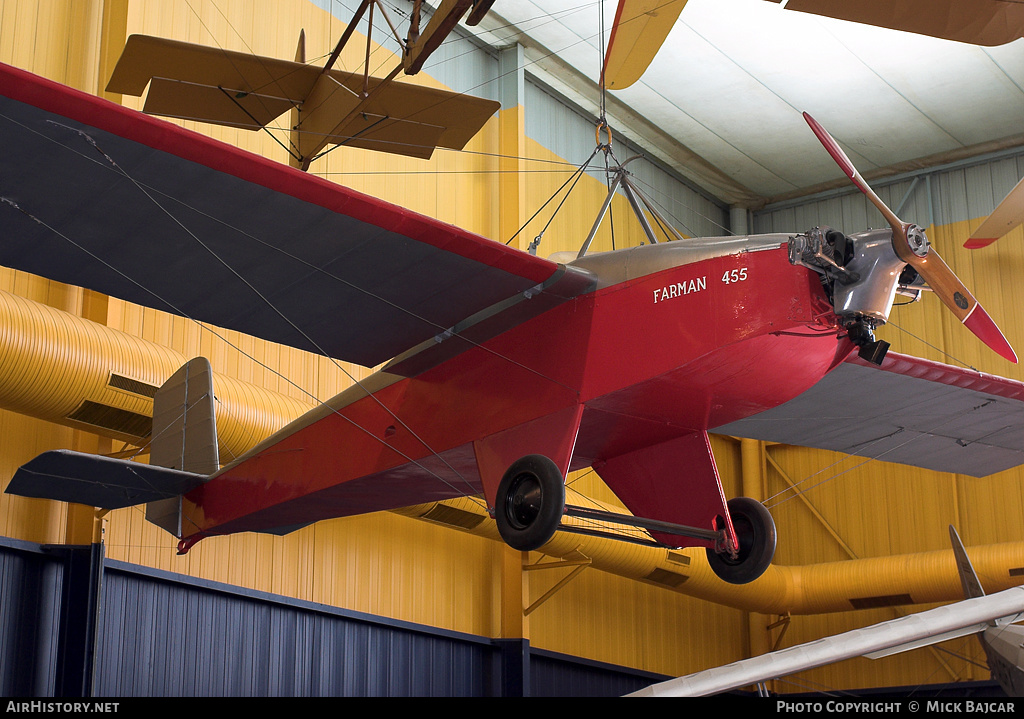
530 502
755 531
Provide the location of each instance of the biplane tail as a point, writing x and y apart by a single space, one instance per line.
183 454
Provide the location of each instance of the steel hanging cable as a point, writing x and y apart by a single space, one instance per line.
577 174
355 380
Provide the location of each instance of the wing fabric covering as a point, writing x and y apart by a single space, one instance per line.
243 90
639 31
977 22
99 196
910 411
935 625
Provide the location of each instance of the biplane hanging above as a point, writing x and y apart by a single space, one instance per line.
505 371
324 106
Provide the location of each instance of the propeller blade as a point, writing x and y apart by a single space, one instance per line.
948 288
833 148
912 246
1004 218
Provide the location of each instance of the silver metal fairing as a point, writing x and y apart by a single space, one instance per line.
875 270
626 264
861 272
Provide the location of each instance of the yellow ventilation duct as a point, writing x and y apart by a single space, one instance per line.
920 578
65 369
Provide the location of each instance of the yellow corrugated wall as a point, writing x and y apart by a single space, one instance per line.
407 569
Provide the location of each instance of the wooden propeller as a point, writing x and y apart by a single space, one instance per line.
911 245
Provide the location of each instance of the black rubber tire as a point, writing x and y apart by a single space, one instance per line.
530 502
755 530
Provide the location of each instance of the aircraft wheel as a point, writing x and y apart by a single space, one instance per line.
755 530
530 502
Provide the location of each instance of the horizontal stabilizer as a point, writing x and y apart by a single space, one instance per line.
98 481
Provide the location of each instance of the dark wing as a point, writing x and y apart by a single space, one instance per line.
911 411
100 196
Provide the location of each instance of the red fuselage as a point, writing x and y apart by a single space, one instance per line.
635 363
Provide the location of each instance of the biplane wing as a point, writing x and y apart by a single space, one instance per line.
239 89
100 196
934 416
639 31
979 22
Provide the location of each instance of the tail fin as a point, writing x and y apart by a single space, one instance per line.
184 434
968 579
184 452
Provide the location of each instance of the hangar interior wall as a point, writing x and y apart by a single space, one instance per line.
252 643
399 568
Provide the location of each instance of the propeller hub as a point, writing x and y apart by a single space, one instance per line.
917 240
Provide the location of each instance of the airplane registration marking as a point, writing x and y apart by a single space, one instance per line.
735 276
679 289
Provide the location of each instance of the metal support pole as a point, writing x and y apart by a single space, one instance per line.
627 187
600 215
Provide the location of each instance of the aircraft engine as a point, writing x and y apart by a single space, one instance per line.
861 274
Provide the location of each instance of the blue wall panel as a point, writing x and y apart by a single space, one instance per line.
162 634
30 582
555 675
161 637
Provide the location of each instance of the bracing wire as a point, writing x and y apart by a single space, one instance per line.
573 178
152 198
113 164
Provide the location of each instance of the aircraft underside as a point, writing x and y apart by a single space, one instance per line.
451 430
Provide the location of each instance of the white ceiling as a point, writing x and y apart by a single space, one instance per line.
731 82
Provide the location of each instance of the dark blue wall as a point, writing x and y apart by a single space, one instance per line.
162 634
30 591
